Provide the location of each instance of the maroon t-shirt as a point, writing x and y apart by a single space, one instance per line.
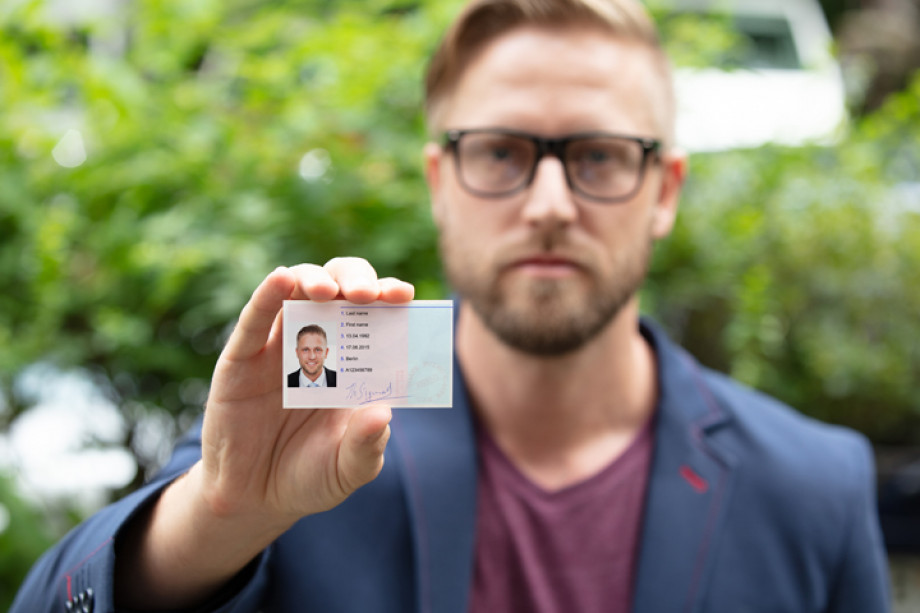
569 550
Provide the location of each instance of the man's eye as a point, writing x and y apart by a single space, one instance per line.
597 156
501 153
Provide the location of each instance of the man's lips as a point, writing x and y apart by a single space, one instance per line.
545 266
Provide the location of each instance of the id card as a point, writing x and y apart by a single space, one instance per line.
338 354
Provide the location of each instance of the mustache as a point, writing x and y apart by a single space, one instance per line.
544 247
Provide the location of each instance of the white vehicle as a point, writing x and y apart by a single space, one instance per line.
786 87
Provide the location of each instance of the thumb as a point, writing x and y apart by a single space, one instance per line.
361 452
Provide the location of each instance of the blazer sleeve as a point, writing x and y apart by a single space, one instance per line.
862 584
80 569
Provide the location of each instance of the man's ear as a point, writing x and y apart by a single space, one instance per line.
674 172
433 156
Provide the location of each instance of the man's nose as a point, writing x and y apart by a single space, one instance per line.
549 199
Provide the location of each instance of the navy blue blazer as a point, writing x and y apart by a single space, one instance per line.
751 508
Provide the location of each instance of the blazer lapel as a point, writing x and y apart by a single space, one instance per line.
688 490
435 449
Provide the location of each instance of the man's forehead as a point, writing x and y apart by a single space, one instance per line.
579 74
575 76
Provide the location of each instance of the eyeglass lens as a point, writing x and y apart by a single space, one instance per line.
496 164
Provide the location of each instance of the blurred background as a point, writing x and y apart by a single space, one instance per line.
157 159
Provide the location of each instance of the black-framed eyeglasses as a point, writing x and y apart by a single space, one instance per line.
602 167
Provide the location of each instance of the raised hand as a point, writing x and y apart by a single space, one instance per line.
262 467
261 458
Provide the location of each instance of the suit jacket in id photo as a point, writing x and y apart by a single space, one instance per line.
293 379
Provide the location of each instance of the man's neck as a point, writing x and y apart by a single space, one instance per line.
561 419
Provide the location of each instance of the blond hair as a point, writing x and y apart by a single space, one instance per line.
482 21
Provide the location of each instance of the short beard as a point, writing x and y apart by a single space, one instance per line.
555 319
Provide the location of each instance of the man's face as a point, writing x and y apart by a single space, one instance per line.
312 352
544 269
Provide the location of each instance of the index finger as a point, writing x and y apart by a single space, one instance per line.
258 316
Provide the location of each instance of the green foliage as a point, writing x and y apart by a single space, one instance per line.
699 41
795 270
221 140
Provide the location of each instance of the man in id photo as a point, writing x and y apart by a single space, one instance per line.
312 351
587 464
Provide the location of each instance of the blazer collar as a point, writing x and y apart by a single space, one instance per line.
688 489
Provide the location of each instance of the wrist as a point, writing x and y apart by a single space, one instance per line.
212 515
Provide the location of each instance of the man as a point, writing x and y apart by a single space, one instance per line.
587 465
312 353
